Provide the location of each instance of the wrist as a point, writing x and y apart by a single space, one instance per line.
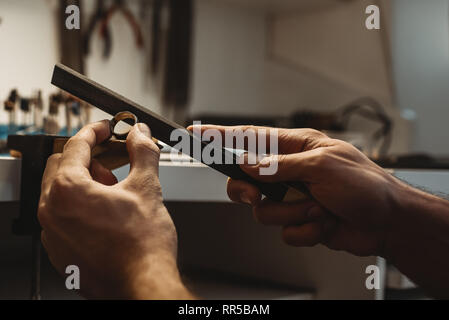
416 215
157 278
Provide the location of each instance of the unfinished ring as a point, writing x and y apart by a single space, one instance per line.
125 116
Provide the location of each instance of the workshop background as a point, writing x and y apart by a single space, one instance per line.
287 63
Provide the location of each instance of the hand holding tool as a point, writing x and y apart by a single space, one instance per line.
112 103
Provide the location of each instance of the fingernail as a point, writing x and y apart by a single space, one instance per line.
315 212
268 161
251 159
245 198
156 141
143 128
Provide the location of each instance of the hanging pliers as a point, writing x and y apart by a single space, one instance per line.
119 5
98 18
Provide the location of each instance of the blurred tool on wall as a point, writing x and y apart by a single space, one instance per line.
25 113
171 54
10 108
163 28
101 18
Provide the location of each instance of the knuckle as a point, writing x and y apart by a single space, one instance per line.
87 133
281 159
146 146
54 158
311 134
62 187
282 162
322 158
42 214
315 133
71 142
346 148
132 202
309 138
248 127
342 145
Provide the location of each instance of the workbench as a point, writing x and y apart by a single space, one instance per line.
215 234
182 180
188 180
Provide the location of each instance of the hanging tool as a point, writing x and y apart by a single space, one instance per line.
72 109
98 17
156 35
51 124
38 103
25 107
119 6
170 63
10 107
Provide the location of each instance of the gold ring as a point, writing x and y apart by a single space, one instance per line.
122 116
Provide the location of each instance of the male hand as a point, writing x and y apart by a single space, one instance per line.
353 203
120 235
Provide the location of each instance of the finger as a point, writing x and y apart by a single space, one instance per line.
101 174
50 172
282 214
305 166
247 133
243 192
77 152
306 235
144 158
277 141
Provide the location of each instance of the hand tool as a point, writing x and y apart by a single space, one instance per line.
113 103
25 107
38 108
97 18
10 107
120 6
51 125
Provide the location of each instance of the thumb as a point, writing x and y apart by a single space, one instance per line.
144 158
284 167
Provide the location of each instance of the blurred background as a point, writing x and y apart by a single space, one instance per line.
286 63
